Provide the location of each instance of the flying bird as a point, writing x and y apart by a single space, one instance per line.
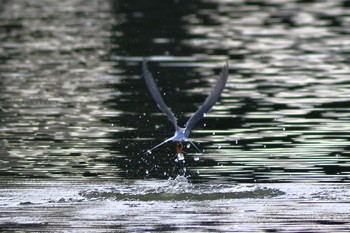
182 134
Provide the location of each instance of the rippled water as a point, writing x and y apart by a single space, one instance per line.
73 104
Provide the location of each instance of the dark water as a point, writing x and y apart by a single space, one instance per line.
74 106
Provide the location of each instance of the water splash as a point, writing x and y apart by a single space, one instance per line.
180 157
180 189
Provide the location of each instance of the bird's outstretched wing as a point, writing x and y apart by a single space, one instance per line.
153 89
209 102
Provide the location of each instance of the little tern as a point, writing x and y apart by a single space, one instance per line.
182 134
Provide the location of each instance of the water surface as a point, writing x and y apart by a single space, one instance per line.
170 206
76 116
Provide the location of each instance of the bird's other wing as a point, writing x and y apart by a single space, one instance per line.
209 102
153 89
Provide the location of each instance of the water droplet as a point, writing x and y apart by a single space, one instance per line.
164 93
188 145
337 155
264 146
196 158
219 146
284 129
204 124
146 172
236 141
213 133
149 152
180 157
112 124
204 114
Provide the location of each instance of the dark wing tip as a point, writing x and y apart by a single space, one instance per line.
224 71
155 93
210 100
144 66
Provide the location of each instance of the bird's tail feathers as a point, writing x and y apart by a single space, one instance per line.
194 145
